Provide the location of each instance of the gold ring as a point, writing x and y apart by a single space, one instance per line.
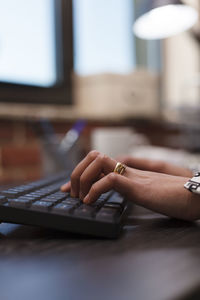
119 168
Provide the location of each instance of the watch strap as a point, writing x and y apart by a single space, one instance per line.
193 184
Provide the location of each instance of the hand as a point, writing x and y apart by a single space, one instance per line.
154 165
162 193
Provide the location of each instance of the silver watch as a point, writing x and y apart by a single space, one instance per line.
193 184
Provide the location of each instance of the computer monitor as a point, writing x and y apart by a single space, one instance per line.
36 51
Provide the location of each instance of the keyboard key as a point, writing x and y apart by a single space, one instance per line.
52 182
62 194
34 196
84 211
26 197
117 199
113 205
11 193
46 199
97 204
56 197
105 196
107 214
21 203
2 199
50 200
41 205
63 208
74 201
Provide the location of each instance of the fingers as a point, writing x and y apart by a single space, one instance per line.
158 166
93 167
143 163
138 163
114 181
90 171
101 165
133 162
76 174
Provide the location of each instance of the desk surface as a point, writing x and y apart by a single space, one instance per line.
155 258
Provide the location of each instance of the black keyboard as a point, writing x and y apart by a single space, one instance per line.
41 203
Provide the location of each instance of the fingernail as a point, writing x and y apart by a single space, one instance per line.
65 187
72 195
86 200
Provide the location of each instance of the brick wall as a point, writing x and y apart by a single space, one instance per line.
21 154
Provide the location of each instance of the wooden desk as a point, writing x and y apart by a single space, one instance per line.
155 258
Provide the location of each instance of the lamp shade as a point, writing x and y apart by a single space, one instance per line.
159 19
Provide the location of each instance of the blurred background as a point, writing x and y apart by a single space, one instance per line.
76 75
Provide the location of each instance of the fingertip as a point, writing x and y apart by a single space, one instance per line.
86 200
65 187
62 188
74 194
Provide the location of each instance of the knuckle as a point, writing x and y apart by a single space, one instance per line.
93 154
105 158
73 176
93 189
99 157
112 177
102 158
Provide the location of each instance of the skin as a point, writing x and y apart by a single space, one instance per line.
155 185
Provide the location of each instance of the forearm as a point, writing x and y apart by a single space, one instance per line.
167 195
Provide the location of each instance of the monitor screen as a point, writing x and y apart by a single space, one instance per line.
27 42
36 51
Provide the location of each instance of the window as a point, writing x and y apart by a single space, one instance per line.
36 54
104 40
103 37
